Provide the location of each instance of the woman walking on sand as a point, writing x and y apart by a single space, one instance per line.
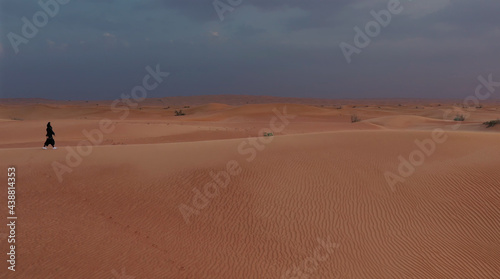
50 139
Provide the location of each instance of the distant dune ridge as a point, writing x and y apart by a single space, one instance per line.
310 200
247 99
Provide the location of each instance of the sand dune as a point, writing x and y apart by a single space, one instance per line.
406 121
314 199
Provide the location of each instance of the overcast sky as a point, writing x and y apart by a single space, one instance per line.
98 49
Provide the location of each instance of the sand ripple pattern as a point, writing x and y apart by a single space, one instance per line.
114 212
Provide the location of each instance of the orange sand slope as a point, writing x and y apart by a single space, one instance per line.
120 209
200 196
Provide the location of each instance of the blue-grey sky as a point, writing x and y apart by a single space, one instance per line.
98 49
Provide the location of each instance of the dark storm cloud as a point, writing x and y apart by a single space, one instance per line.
99 49
203 10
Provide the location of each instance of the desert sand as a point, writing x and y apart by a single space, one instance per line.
205 195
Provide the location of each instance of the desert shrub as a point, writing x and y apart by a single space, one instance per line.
354 118
491 123
268 134
459 117
179 113
16 118
186 106
479 107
